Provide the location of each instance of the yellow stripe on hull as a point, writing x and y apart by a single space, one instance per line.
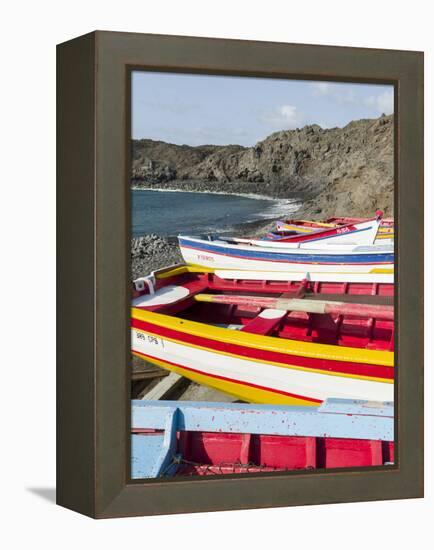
238 390
382 270
311 229
180 270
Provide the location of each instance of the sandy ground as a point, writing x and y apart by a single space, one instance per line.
196 392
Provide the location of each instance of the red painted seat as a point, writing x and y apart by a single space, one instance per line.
265 322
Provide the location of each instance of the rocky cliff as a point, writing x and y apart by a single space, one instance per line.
338 171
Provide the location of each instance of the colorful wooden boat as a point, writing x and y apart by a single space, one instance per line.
293 226
261 255
352 233
282 235
386 223
175 438
262 354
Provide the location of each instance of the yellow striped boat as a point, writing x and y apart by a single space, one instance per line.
199 324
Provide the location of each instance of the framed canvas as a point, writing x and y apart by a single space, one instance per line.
144 119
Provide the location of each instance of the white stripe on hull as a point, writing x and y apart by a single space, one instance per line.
385 242
300 276
307 384
220 261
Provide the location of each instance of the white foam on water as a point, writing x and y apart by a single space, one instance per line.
235 194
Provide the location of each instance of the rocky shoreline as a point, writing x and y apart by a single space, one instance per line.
300 190
151 252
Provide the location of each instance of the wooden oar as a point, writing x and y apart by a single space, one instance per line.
307 306
371 299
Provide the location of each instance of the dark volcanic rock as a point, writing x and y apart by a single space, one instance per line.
338 171
151 252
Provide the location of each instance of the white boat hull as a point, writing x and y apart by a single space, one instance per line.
325 259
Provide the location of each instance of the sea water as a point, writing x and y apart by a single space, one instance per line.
169 213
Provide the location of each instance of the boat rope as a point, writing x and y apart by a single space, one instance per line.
149 281
223 468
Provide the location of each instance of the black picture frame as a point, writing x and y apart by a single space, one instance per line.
93 365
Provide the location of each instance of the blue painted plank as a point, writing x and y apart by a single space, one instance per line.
357 406
168 448
268 419
145 451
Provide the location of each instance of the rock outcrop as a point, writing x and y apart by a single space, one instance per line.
337 171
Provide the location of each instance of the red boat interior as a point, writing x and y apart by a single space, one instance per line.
385 222
213 453
281 234
345 330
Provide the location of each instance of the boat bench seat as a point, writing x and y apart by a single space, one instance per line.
265 322
166 295
169 295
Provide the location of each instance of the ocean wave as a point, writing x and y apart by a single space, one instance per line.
282 207
246 195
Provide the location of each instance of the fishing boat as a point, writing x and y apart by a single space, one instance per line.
285 228
287 235
173 438
386 223
261 255
351 233
285 342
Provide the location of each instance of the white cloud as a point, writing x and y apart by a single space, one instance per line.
381 103
285 117
340 93
322 88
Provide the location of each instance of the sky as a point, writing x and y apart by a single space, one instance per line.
222 110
